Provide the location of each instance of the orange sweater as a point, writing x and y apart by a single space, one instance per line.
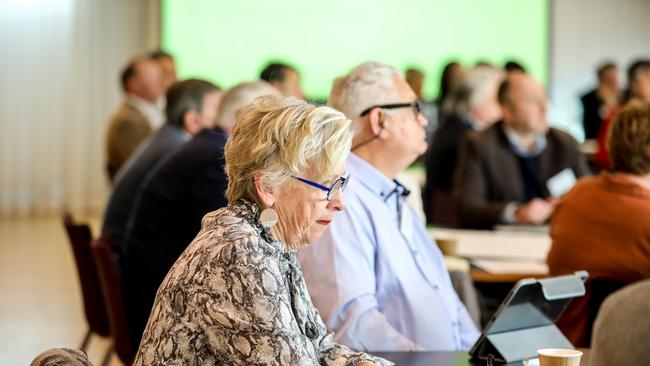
603 226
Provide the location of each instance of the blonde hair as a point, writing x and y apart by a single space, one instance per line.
280 138
629 139
368 84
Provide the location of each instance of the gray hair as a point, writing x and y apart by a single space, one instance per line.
368 84
238 96
471 90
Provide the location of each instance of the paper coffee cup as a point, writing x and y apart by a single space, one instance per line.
559 357
447 246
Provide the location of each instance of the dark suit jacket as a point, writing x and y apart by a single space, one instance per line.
126 130
440 162
591 118
132 174
167 217
489 178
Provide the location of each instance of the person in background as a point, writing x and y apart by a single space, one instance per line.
167 65
638 78
236 296
504 172
603 224
448 79
138 115
172 201
191 107
513 66
471 106
598 103
284 78
375 276
415 79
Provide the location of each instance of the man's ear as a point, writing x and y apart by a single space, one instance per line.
376 119
263 190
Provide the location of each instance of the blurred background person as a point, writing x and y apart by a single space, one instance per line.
503 171
415 78
167 65
448 78
472 105
513 66
191 107
638 78
603 224
138 115
284 78
597 104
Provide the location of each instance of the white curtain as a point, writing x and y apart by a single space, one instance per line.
59 83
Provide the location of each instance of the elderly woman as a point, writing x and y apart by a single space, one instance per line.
603 224
236 296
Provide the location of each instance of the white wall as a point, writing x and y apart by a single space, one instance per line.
584 33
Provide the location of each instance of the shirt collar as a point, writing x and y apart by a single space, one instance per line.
370 177
150 110
519 150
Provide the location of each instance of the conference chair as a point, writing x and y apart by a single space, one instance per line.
94 304
112 289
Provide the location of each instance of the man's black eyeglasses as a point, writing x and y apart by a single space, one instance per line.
417 109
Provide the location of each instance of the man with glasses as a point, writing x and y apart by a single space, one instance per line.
375 276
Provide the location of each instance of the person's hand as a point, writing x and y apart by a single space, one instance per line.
536 211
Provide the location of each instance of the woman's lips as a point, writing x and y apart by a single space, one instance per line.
324 222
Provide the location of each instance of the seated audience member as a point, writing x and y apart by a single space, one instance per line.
172 201
513 67
448 79
472 105
603 224
375 276
167 65
503 172
236 296
638 76
284 78
191 107
598 103
138 115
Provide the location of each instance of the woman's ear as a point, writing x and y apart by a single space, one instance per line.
264 191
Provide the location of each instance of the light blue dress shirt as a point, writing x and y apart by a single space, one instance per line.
376 277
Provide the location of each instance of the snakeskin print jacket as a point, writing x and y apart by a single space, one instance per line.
236 297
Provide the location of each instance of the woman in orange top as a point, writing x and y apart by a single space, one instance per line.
603 224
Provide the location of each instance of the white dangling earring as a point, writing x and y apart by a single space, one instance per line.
268 217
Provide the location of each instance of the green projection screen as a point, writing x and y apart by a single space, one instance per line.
231 41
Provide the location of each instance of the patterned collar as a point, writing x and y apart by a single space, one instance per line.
250 211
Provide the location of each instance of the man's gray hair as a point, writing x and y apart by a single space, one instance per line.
238 96
368 84
471 90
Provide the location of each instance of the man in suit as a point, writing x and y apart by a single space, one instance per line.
138 115
191 107
172 201
598 103
503 171
472 105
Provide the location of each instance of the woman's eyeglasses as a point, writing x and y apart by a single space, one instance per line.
417 108
338 185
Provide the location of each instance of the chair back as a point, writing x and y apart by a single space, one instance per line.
112 289
94 304
622 328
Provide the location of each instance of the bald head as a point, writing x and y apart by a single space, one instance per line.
523 104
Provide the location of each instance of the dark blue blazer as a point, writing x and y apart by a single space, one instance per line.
173 200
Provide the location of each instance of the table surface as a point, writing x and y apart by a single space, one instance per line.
433 359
